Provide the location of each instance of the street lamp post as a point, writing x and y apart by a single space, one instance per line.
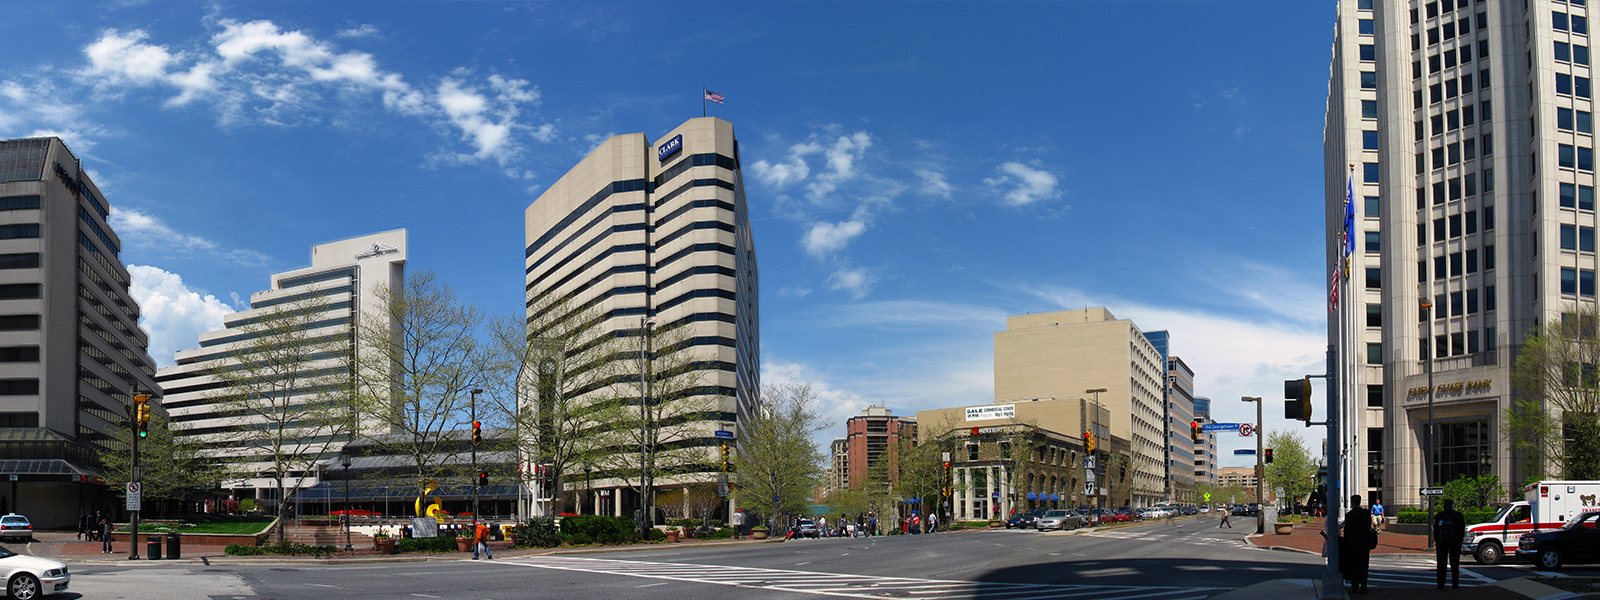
1261 473
1427 436
475 392
645 520
344 461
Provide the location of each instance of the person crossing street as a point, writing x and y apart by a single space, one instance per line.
480 537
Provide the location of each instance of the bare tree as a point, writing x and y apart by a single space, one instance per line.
286 385
418 364
542 375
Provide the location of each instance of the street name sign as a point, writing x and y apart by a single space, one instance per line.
1433 491
1245 451
1219 426
727 435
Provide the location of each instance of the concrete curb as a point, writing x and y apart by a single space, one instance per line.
394 558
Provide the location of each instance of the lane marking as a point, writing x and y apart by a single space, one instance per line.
653 584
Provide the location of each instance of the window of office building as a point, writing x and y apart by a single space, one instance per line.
1375 456
1375 395
1463 450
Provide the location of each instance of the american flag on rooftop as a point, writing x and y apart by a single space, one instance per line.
714 97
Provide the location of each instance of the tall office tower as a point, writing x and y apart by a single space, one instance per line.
1463 131
1089 352
1180 436
71 351
659 231
346 284
1205 450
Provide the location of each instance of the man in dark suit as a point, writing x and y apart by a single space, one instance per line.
1355 547
1449 528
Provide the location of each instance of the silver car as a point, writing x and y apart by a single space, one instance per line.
1059 519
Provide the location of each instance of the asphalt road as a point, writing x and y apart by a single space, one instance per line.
1185 559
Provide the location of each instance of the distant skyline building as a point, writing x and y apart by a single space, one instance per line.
71 351
644 229
1180 437
1462 132
1062 354
347 282
872 441
1205 451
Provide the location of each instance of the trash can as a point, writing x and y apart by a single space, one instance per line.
153 547
174 546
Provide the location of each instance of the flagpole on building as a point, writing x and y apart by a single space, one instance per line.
703 101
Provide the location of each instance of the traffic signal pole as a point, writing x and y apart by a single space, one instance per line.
140 424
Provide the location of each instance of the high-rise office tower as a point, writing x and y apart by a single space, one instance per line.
1462 132
71 351
658 232
348 282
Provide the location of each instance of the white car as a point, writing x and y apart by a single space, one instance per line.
28 577
15 527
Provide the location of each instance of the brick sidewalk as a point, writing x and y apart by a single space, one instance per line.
1308 537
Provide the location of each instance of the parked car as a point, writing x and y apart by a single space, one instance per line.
28 577
1578 541
15 527
1124 514
1059 519
1025 520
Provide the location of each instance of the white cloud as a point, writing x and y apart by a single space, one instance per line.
173 315
793 170
857 281
934 184
118 58
841 160
834 404
365 30
826 238
1028 185
139 229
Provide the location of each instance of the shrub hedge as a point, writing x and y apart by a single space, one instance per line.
437 544
1420 516
601 529
285 548
538 532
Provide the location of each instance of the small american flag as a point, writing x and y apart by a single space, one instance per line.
1333 292
714 97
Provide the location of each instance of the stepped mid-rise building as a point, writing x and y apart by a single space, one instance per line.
71 350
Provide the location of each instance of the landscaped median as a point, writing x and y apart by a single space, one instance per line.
219 531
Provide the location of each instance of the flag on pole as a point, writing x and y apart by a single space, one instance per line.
1349 216
1333 292
714 97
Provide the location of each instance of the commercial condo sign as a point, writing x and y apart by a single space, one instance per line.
985 413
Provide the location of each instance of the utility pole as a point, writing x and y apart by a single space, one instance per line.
1427 436
477 436
1261 479
141 425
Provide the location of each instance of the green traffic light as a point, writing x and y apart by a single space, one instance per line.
144 434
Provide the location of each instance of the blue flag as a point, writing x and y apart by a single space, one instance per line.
1349 217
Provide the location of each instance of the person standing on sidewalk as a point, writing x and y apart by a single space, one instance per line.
1377 515
105 534
1449 528
480 537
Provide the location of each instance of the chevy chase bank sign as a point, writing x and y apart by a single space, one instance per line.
985 413
1459 386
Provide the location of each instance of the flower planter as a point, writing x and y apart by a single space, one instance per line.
385 546
672 536
1283 528
758 534
464 544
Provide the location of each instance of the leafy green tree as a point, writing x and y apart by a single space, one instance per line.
1475 492
1292 467
1554 418
169 467
778 463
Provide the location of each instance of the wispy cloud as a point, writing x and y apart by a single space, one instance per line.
361 31
1022 185
142 230
856 281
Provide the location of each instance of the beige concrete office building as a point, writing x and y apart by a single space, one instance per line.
1064 353
644 229
346 283
71 351
991 479
1463 132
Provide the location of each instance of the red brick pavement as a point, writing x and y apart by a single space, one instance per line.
1308 537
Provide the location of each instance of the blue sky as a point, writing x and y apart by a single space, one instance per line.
916 171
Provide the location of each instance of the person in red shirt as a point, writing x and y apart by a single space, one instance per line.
480 535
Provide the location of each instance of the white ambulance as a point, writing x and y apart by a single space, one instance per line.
1546 505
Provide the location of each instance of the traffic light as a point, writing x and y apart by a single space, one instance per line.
1195 430
724 457
141 412
1267 457
483 478
1298 406
1088 441
477 433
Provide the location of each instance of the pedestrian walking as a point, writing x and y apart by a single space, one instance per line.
738 522
933 522
1355 545
480 537
1377 515
1225 522
105 534
83 525
872 523
1449 528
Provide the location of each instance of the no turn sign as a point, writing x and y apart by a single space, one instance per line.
133 496
1246 429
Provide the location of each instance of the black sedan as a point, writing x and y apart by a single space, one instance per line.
1577 541
1025 520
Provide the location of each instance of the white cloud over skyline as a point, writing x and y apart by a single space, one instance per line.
1026 184
173 315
